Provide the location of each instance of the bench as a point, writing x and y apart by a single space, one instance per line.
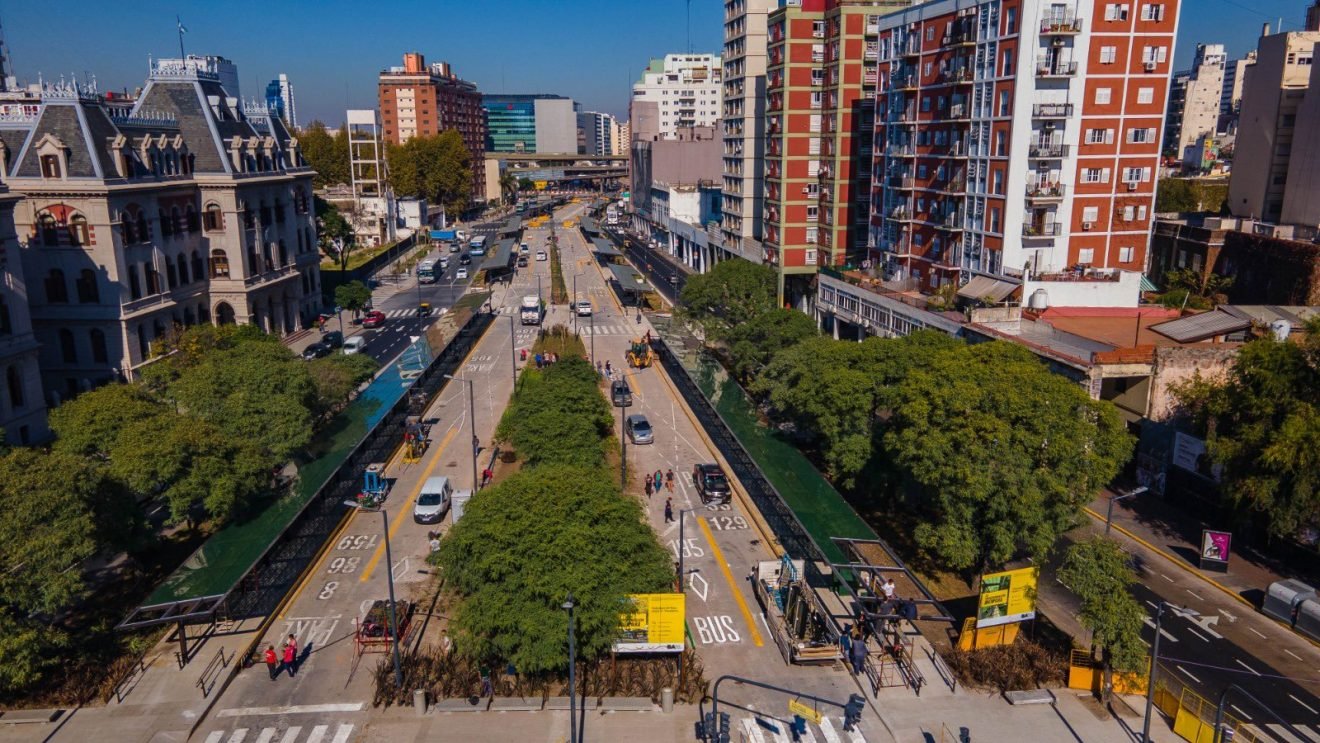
515 704
560 704
459 705
1034 696
24 716
627 704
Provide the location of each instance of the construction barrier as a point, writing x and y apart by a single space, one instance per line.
1193 715
972 638
1085 672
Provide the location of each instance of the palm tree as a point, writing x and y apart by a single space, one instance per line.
508 184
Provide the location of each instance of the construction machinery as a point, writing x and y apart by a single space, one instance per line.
375 486
415 439
640 355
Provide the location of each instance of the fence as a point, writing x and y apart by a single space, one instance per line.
331 278
1193 715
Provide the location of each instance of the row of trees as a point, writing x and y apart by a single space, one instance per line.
559 525
200 434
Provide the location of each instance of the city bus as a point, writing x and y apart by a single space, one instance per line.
426 272
478 245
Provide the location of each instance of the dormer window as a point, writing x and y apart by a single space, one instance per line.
51 167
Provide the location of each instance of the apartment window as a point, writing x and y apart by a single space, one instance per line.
213 218
1090 214
929 68
1095 175
1141 212
925 103
930 33
1145 95
818 29
815 122
817 76
50 166
1141 135
1134 175
1001 142
1116 12
813 213
1129 213
1086 256
997 179
1004 101
1125 255
816 98
1152 12
1108 54
1010 21
994 219
1154 53
1099 136
1102 96
1008 63
812 233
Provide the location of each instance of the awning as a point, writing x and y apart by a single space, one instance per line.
511 226
988 289
500 258
1147 285
604 247
629 278
1201 327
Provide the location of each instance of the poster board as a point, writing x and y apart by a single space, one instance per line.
1215 547
652 623
1007 597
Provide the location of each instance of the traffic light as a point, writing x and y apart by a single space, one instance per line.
852 711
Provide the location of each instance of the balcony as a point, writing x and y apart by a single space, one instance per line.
952 222
1041 229
901 214
960 76
1054 69
955 185
1045 192
871 52
961 37
911 48
869 77
1047 150
1060 25
901 150
903 82
958 112
1051 110
906 183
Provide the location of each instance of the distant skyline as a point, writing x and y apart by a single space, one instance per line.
589 50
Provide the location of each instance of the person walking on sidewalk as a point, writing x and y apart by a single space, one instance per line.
669 510
272 662
291 658
857 654
669 480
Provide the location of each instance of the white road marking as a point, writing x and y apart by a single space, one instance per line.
1152 605
267 735
698 585
293 710
1304 704
341 735
1258 634
291 734
1230 617
215 736
318 734
1194 593
1198 634
1244 665
1163 632
1295 655
238 735
827 728
1242 714
1189 674
1165 577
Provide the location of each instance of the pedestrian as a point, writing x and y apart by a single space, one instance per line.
888 588
657 480
608 371
600 370
292 642
648 483
845 641
857 654
272 662
669 510
291 659
669 480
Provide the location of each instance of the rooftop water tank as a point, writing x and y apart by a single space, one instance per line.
1040 300
1280 329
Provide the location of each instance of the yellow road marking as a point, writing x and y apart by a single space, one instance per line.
316 564
728 576
402 511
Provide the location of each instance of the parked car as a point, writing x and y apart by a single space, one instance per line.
333 339
373 319
620 394
461 273
433 502
638 429
541 256
316 351
712 485
524 248
355 344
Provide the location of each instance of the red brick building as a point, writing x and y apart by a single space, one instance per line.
417 100
1018 136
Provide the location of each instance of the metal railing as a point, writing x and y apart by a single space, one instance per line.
206 681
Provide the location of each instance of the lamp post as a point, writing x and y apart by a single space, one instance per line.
1155 658
572 675
389 577
1109 514
623 446
472 420
513 351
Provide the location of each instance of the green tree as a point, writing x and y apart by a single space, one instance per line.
728 295
352 296
1005 452
526 184
1175 195
525 544
438 169
1195 289
337 377
335 232
1097 572
326 153
89 424
752 344
1262 425
509 185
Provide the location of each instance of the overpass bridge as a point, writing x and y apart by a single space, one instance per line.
561 167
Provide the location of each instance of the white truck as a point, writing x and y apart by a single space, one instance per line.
531 310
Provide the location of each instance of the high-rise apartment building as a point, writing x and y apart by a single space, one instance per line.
542 122
622 141
1196 103
742 118
1018 137
1230 101
1264 157
599 133
420 100
279 99
821 73
686 89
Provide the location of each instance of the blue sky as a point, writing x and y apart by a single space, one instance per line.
590 50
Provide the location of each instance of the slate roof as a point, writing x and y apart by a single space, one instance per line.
60 119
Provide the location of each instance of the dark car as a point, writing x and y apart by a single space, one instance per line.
712 485
333 339
373 319
522 261
620 394
316 351
464 259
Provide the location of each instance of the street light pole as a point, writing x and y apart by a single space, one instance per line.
513 352
472 421
389 579
1109 514
623 447
572 675
1154 659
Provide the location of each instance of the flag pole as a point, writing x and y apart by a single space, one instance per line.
179 22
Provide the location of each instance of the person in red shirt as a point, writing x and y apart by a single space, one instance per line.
272 662
291 657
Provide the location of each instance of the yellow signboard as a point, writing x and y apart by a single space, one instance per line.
540 185
652 623
1007 597
798 708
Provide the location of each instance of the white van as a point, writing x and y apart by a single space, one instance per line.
355 344
434 500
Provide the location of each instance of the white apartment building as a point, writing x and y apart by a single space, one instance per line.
743 120
1195 113
600 133
686 88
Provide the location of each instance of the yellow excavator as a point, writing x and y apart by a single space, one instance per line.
639 354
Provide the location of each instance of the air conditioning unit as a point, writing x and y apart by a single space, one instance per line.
1087 225
806 190
1132 185
1150 66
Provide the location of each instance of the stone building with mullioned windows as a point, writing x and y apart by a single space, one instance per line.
191 207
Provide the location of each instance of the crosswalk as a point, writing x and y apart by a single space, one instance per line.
292 734
763 730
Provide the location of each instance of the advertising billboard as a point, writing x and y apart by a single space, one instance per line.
652 623
1007 597
1215 546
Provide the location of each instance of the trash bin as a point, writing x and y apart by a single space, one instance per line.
667 699
419 701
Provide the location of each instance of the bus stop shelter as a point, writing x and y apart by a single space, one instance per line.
499 261
630 281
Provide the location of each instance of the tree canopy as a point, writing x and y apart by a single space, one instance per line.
1262 425
352 296
438 169
1005 452
730 294
326 153
1097 572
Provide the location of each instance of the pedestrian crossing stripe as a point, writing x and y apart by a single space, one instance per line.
317 734
755 733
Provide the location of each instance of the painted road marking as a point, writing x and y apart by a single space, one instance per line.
1194 593
1244 665
1295 655
292 710
716 630
318 733
1165 577
1258 634
1198 634
405 509
1242 714
267 734
215 736
827 728
1163 632
291 734
733 586
1304 704
1189 674
698 585
341 735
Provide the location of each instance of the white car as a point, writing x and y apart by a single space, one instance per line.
462 273
355 344
524 248
584 308
541 256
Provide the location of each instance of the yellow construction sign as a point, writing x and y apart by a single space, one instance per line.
652 623
798 708
1007 597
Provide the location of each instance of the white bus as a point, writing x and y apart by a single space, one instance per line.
478 245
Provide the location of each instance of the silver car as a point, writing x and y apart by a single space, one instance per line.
638 429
